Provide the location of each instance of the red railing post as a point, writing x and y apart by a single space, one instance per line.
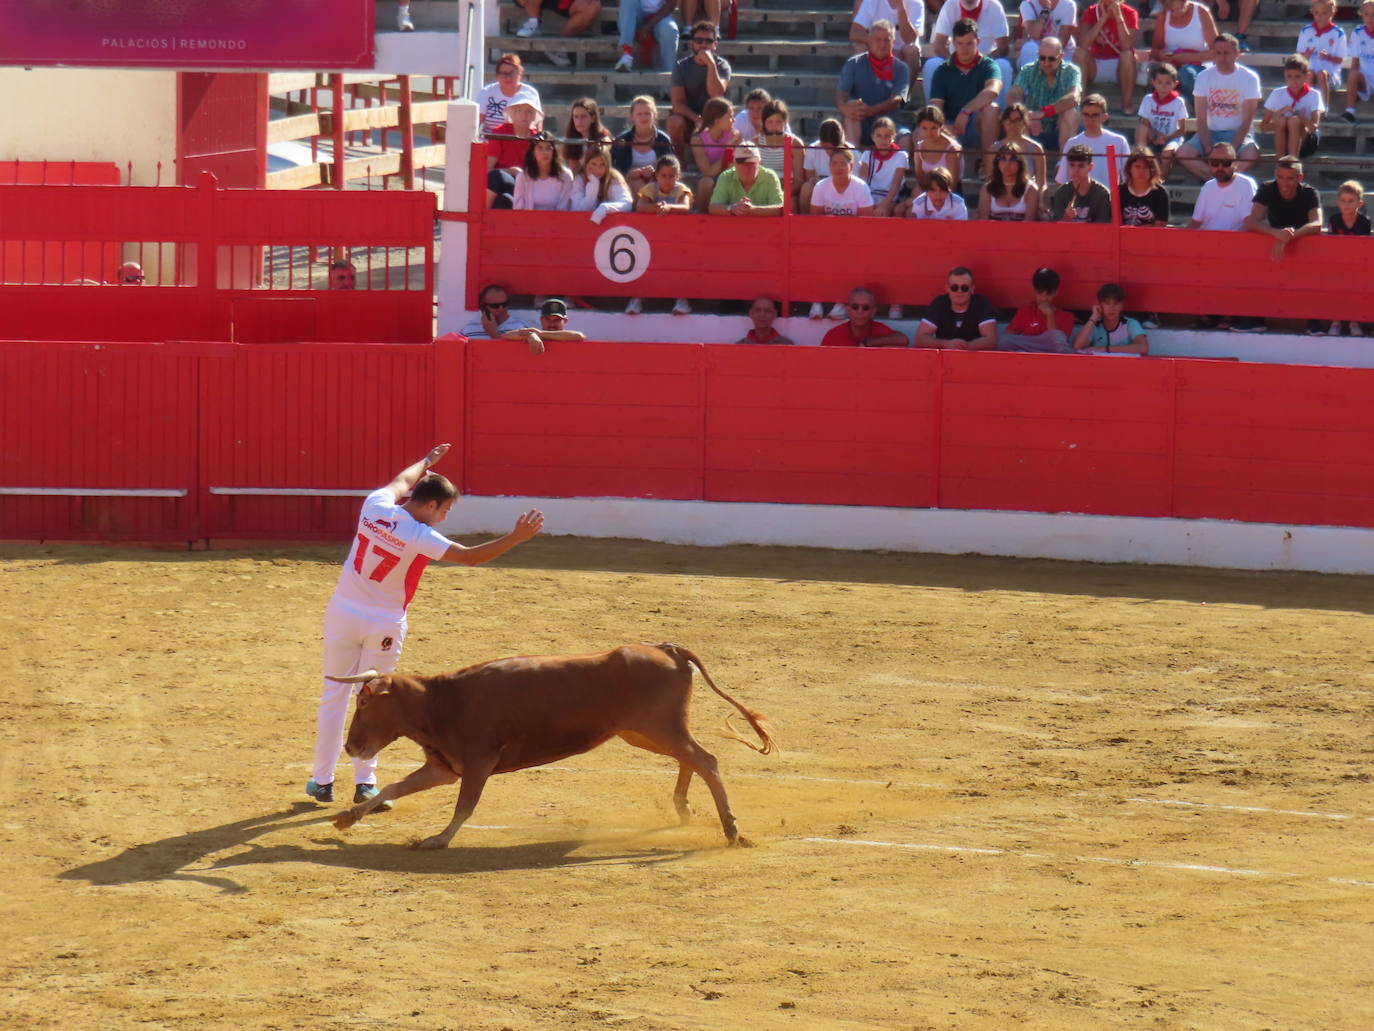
336 87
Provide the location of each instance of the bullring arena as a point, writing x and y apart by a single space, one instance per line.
1011 793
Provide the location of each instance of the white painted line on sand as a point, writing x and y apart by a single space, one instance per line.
1248 809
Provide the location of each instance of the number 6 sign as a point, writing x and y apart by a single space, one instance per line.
622 254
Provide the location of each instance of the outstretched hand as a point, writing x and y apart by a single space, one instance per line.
528 525
437 452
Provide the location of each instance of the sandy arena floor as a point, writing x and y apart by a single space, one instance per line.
1011 794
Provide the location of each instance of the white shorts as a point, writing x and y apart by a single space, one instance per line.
1333 74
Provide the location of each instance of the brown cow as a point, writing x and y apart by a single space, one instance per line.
511 714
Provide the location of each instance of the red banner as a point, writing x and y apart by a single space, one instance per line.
236 34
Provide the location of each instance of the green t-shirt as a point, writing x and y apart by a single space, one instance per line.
1126 331
765 192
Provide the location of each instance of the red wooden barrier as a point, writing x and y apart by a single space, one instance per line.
39 260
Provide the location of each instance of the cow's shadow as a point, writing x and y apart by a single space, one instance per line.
180 858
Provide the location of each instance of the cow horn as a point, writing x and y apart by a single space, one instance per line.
356 678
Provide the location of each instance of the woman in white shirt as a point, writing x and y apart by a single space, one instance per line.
597 187
940 201
544 184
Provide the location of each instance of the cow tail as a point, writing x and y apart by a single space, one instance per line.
756 719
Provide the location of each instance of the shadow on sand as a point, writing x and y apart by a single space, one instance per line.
180 858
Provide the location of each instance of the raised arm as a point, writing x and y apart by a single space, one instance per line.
526 527
408 477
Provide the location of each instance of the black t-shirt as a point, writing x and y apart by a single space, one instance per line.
952 325
1094 206
1149 210
1287 214
1337 225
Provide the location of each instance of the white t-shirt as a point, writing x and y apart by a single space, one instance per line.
1163 118
880 171
493 103
1223 96
1362 50
1225 208
955 210
992 22
1333 41
1098 145
875 10
831 201
1310 104
1065 13
817 160
390 551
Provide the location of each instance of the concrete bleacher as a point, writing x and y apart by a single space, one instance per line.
794 49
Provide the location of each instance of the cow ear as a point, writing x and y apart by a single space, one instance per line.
379 685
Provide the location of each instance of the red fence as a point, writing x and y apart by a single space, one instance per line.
180 442
221 249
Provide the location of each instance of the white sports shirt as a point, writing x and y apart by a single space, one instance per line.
389 553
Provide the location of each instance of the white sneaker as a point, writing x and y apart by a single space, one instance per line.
1357 329
559 58
403 21
634 307
530 28
1333 330
894 311
625 63
816 312
681 307
838 312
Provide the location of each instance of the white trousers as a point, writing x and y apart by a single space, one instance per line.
352 643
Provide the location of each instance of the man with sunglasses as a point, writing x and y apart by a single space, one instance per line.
495 319
1051 89
862 329
1223 204
959 319
697 78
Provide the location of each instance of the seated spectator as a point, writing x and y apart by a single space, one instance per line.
1144 200
959 319
1293 113
968 85
1082 198
940 202
1227 94
1285 207
990 25
643 23
664 195
884 167
1051 90
1362 63
542 184
1108 329
495 317
342 275
1043 20
1325 47
636 150
404 23
1097 138
749 121
1009 194
713 148
817 163
1223 204
580 14
762 314
1349 220
553 325
748 188
1107 35
584 123
599 188
131 274
506 154
1040 326
1163 117
701 10
776 140
509 86
696 79
1183 35
1016 122
842 193
872 84
933 147
862 328
908 18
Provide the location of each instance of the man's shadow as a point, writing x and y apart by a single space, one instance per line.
168 859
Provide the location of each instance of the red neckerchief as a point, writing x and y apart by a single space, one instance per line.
879 160
966 67
1159 107
1321 31
1297 97
753 335
975 14
882 69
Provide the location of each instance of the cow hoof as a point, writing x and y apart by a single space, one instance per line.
740 841
428 843
345 820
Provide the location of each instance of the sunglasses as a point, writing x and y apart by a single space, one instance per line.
960 288
861 307
1221 164
498 304
1049 60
